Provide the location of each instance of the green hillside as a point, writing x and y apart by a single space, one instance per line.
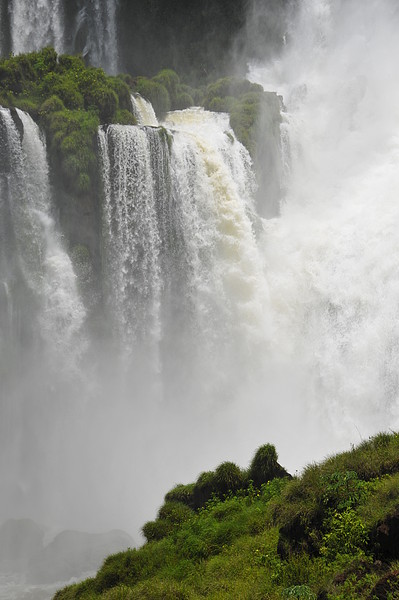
261 534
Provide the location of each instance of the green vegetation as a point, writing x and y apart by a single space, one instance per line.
330 534
165 92
70 101
247 103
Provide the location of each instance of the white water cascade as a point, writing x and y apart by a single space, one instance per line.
46 268
131 238
34 25
41 322
182 268
143 111
99 16
332 258
88 27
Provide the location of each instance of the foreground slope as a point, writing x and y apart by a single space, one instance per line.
331 533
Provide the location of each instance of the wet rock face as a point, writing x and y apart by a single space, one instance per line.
386 586
293 539
385 537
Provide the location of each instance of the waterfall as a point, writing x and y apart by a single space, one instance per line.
36 24
44 266
143 111
89 27
101 43
182 266
214 188
131 237
332 257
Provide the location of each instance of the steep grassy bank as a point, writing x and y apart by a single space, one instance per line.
330 534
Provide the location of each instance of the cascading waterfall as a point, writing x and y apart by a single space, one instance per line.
180 253
143 111
88 27
42 326
34 25
98 18
213 186
282 330
46 268
131 238
332 257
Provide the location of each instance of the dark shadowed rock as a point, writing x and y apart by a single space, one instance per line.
385 537
386 587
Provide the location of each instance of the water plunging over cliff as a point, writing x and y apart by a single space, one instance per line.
143 111
34 25
41 265
181 260
42 339
88 27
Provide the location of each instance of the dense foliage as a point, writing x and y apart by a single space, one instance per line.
70 101
330 534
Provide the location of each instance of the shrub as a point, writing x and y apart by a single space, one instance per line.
170 80
52 104
156 530
64 87
204 488
228 478
124 117
175 513
218 104
243 121
343 490
300 592
181 493
183 100
230 86
122 90
264 465
346 534
98 94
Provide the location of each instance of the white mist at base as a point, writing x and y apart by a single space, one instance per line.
332 258
289 337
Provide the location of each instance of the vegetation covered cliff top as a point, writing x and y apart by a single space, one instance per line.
259 534
70 100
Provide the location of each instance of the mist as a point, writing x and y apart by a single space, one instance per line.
332 253
225 318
